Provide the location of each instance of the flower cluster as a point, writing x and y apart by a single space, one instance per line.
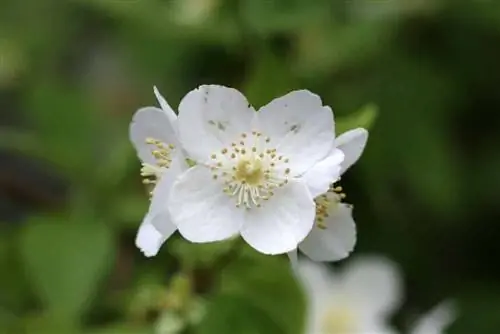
269 176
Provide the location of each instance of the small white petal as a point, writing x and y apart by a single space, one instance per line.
158 210
148 239
336 241
324 173
436 321
172 117
211 117
201 210
352 143
282 222
300 127
374 285
157 226
150 122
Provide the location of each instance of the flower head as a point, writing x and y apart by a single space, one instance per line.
334 233
250 165
357 300
153 134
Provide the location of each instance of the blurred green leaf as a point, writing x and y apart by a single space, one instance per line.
15 292
267 17
478 310
45 324
200 255
65 261
120 329
66 125
266 288
362 118
235 314
18 140
269 78
129 208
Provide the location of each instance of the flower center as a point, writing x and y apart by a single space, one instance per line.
339 320
250 169
163 159
327 202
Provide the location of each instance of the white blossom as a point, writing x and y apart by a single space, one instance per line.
357 300
153 134
248 178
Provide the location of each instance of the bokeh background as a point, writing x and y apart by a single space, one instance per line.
423 75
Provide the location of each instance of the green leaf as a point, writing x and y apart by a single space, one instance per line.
267 289
200 255
66 125
478 310
65 261
235 314
269 78
363 118
121 329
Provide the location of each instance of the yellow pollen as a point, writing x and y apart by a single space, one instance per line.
249 171
339 320
161 152
326 203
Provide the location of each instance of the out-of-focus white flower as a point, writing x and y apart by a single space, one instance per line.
334 233
436 321
250 166
357 300
153 134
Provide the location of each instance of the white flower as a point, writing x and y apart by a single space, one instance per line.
357 300
248 178
152 132
334 233
435 321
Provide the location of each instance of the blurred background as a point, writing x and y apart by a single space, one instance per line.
423 75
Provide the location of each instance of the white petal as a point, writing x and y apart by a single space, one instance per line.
148 239
352 143
327 171
374 285
336 241
211 117
200 208
299 127
153 123
282 222
157 226
321 288
436 321
160 217
172 117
